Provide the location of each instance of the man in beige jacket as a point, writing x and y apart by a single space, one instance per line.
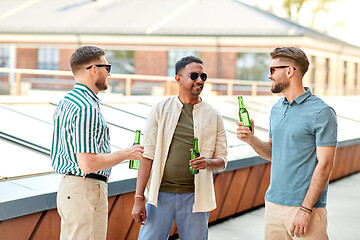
172 192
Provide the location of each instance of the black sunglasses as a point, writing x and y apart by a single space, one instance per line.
194 75
272 69
107 66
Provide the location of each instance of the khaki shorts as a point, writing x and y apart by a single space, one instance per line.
278 222
83 207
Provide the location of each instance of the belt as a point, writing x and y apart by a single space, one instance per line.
91 175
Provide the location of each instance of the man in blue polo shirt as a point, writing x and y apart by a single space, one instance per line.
301 147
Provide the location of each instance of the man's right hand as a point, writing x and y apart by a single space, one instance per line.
135 152
244 133
139 211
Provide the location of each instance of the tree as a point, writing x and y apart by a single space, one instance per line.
321 5
293 8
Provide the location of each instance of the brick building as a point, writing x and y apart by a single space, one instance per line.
148 37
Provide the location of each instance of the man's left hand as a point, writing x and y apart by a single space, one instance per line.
300 225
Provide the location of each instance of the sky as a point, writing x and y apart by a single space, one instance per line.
340 22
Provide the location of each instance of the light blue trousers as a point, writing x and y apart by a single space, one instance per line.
174 206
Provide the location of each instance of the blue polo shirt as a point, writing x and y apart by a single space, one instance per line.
296 129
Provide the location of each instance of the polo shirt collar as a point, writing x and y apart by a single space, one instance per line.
300 99
87 90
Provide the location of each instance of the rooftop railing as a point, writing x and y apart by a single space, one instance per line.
53 79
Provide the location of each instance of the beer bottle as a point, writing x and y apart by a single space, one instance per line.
194 154
244 114
135 164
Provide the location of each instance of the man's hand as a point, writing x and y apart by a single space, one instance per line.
244 133
300 225
199 163
135 152
139 211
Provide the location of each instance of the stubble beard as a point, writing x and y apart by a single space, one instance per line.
101 84
279 87
196 93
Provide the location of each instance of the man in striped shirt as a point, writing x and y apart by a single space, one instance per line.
81 149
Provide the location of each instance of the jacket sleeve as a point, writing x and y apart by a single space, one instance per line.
221 142
150 134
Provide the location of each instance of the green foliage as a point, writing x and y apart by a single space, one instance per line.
293 8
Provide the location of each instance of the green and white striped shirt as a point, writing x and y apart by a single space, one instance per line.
79 127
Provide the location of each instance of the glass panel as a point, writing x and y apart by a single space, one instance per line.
356 75
313 71
18 161
121 61
26 127
4 63
33 122
253 66
327 70
48 58
345 74
176 55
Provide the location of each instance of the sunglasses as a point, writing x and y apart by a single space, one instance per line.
272 69
194 75
107 66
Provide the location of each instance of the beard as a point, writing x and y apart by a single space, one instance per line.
196 92
279 87
101 84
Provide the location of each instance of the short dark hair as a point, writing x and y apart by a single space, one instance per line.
84 55
185 61
293 54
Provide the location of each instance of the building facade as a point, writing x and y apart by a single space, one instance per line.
232 38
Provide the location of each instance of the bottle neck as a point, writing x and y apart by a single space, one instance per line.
241 103
195 145
137 137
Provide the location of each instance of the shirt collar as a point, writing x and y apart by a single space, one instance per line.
87 90
300 99
180 104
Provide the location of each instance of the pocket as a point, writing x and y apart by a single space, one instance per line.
68 201
321 214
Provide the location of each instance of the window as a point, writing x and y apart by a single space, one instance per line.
176 55
48 58
344 73
327 70
252 66
313 72
356 75
121 61
4 62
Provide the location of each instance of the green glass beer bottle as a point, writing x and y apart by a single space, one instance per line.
194 154
244 114
135 164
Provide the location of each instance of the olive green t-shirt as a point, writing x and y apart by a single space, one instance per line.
177 178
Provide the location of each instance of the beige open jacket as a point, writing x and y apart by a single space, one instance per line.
159 130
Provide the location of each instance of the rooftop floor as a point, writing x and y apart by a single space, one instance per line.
343 216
